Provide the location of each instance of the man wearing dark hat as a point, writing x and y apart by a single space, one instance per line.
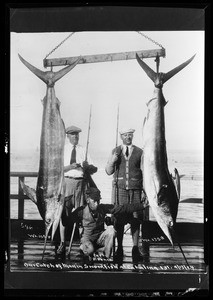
91 216
77 174
125 164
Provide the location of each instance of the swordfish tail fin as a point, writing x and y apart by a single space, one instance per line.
49 77
58 75
40 74
164 76
174 71
150 73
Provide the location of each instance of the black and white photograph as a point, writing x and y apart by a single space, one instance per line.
106 149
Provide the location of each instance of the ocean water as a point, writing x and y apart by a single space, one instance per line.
188 164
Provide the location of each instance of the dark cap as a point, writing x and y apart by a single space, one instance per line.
72 129
93 193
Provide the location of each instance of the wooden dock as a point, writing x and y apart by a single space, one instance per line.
26 255
163 268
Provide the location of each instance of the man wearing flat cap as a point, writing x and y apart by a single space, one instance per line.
97 232
78 169
125 163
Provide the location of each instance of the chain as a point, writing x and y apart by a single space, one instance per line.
148 38
156 43
59 44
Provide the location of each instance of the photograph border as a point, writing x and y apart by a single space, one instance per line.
19 18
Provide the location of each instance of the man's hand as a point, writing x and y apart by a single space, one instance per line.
144 200
115 157
75 166
89 168
85 165
72 167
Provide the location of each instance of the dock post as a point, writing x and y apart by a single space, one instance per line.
21 199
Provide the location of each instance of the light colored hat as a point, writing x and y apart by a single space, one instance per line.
72 129
127 130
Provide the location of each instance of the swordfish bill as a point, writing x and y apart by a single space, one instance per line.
49 193
162 193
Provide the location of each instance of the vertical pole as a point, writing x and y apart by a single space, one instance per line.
21 198
144 243
20 216
88 133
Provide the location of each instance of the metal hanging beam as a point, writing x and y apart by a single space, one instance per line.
104 57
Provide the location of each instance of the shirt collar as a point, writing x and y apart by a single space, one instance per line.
124 146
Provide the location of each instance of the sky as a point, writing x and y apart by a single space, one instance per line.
105 85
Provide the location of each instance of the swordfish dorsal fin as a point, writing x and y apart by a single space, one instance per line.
31 193
161 77
49 77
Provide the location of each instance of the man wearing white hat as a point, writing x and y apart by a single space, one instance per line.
125 164
77 172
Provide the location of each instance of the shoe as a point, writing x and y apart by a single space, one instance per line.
136 255
118 255
61 249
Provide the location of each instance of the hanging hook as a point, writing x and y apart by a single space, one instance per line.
157 60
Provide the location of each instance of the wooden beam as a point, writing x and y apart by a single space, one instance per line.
104 57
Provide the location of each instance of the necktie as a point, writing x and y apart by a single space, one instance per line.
73 155
127 151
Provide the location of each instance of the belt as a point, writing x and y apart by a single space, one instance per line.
76 178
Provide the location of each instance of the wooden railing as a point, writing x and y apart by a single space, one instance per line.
188 231
20 196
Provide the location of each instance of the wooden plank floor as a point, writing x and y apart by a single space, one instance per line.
26 255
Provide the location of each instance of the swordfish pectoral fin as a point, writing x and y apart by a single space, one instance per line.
168 75
143 132
161 193
152 75
176 180
28 191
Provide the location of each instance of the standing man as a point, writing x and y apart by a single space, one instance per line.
125 164
77 174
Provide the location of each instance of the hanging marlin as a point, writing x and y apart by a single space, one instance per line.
162 191
49 193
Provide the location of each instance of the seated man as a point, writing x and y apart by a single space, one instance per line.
92 218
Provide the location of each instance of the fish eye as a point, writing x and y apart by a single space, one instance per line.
171 224
48 221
